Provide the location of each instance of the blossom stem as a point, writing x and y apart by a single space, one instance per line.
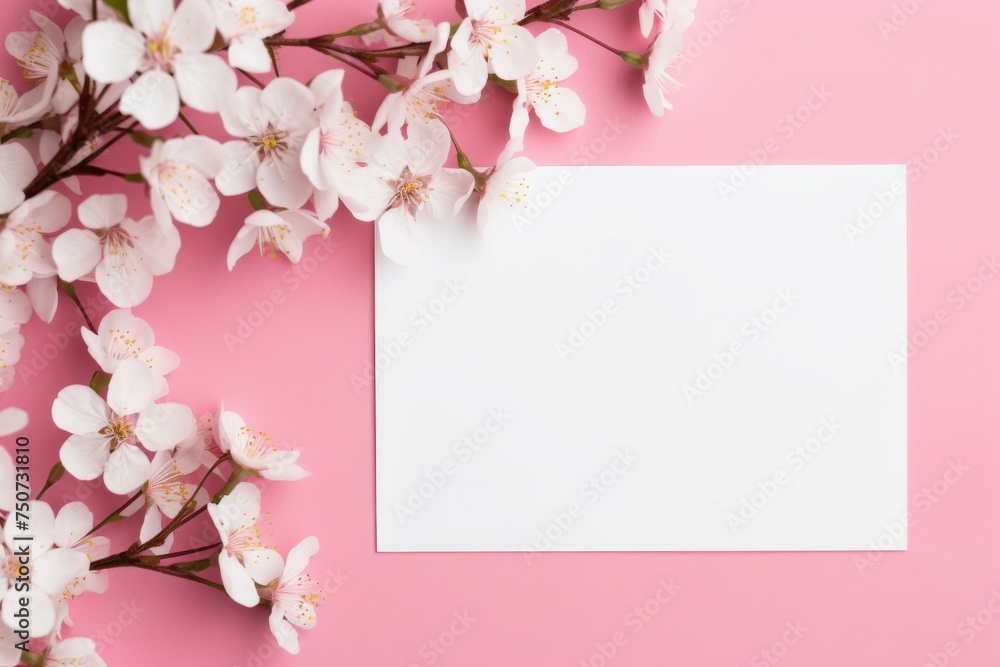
114 516
295 4
373 71
188 506
32 659
70 291
257 82
567 26
195 550
190 126
58 470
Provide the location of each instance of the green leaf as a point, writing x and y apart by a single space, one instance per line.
120 6
144 138
256 200
195 565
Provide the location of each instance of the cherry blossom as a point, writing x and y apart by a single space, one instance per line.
331 149
405 185
179 173
272 125
401 25
25 251
658 83
244 24
167 45
120 254
274 232
106 434
557 107
51 570
666 11
423 92
488 40
257 452
121 335
505 191
294 596
244 558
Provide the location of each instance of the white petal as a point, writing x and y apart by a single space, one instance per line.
153 100
561 111
205 81
84 456
397 234
514 53
249 54
72 523
239 168
132 388
150 16
286 635
191 29
12 420
245 239
17 169
76 252
41 609
102 211
449 190
263 565
55 569
283 183
164 425
237 581
127 469
298 558
78 409
112 51
468 65
124 278
43 293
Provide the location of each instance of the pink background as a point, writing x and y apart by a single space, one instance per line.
759 59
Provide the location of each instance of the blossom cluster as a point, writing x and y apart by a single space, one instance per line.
160 460
295 151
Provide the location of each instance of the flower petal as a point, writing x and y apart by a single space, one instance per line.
84 456
76 253
237 581
132 388
112 51
79 410
153 100
164 425
204 80
127 469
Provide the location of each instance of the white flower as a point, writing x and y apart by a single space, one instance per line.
667 11
505 191
178 172
274 232
663 53
244 24
42 54
72 527
73 652
558 108
272 124
488 40
106 435
405 186
49 571
165 493
17 168
294 596
25 251
201 445
167 46
401 27
257 452
121 254
426 90
331 150
121 335
11 342
244 558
